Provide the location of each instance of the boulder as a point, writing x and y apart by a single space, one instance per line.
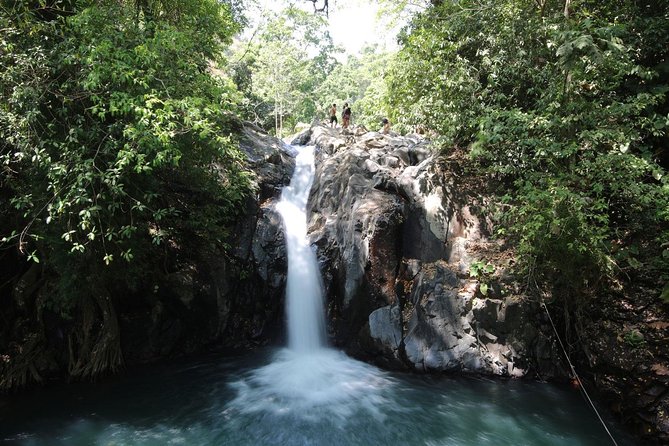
395 239
302 138
385 327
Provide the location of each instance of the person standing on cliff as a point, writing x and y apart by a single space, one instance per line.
333 116
386 126
346 116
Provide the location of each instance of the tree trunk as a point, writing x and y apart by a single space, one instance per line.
95 347
276 115
541 4
280 119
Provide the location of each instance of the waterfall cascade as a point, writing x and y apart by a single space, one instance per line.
308 379
307 394
304 302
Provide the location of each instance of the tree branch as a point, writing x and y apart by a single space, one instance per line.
323 8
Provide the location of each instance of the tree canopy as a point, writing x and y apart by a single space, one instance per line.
279 69
565 103
109 115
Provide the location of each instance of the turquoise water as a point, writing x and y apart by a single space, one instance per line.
268 398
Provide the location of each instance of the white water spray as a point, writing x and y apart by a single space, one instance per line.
308 380
304 303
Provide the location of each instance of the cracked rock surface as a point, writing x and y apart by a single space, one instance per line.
396 236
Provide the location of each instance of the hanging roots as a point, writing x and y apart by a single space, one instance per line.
21 369
96 347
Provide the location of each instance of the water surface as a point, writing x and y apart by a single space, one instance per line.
266 398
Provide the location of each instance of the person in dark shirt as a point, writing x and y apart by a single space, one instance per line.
346 116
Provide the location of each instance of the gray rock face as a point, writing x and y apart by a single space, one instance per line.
396 239
302 138
451 328
271 160
255 301
385 325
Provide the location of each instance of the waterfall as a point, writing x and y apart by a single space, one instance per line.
304 302
308 380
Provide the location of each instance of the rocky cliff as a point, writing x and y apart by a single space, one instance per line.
232 300
236 299
400 243
414 281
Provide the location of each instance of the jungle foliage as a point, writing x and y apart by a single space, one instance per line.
107 108
116 145
289 73
279 68
564 103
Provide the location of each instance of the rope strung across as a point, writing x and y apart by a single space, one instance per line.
575 375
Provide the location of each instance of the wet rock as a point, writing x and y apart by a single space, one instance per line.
255 299
395 241
302 138
451 328
385 327
271 160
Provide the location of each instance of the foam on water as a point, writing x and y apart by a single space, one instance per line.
323 384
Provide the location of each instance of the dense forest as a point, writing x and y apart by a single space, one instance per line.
561 104
113 112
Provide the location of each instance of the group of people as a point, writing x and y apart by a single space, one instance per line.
346 118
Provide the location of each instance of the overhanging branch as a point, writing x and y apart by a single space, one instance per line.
323 8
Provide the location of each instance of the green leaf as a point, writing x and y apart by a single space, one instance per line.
664 295
33 257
